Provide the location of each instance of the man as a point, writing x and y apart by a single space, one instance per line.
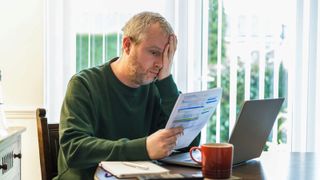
116 111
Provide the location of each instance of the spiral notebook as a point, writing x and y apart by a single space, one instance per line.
129 169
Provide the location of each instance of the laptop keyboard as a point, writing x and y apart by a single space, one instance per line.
183 159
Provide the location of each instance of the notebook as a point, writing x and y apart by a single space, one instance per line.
129 169
249 134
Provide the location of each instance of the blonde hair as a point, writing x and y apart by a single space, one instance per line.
136 26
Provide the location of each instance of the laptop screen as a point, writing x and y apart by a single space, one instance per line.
253 127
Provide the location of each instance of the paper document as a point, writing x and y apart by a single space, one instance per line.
192 111
127 169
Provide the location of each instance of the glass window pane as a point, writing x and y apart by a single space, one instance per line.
82 51
110 46
96 49
249 35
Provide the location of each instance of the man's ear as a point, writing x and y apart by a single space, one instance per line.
126 44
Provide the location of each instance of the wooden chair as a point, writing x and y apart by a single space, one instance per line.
48 138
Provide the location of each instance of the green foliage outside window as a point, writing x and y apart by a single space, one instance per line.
212 69
254 80
96 49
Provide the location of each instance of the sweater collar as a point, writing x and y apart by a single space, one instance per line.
118 84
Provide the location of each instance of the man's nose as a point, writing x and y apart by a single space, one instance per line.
158 63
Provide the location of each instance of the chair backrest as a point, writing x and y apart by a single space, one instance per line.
48 138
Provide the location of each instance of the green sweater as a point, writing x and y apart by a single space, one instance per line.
103 119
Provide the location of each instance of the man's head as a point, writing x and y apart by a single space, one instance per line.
137 26
145 38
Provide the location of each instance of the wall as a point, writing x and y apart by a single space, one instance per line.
21 62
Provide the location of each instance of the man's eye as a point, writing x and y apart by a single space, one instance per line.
155 53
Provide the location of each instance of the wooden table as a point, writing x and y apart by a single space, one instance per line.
276 165
272 166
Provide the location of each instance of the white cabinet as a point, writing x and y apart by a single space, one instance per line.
10 153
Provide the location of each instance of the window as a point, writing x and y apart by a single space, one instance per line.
250 55
95 49
252 49
85 33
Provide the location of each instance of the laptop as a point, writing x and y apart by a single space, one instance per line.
249 134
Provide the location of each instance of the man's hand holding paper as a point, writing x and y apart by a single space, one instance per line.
191 112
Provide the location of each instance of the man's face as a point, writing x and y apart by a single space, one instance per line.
145 58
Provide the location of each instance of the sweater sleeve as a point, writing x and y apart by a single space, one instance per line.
168 93
80 147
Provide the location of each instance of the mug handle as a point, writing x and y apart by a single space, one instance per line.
191 150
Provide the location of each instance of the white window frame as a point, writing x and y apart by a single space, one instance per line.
190 73
305 82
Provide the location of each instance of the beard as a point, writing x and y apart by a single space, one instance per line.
137 73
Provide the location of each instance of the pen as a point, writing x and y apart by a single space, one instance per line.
135 165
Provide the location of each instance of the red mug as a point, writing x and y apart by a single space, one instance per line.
216 160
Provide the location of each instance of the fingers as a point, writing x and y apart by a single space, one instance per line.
161 143
167 59
172 45
175 42
172 139
170 149
166 50
167 133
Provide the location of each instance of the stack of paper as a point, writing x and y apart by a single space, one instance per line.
127 169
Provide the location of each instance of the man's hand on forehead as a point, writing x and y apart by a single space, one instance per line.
168 55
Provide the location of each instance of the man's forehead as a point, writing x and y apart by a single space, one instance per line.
156 38
159 46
